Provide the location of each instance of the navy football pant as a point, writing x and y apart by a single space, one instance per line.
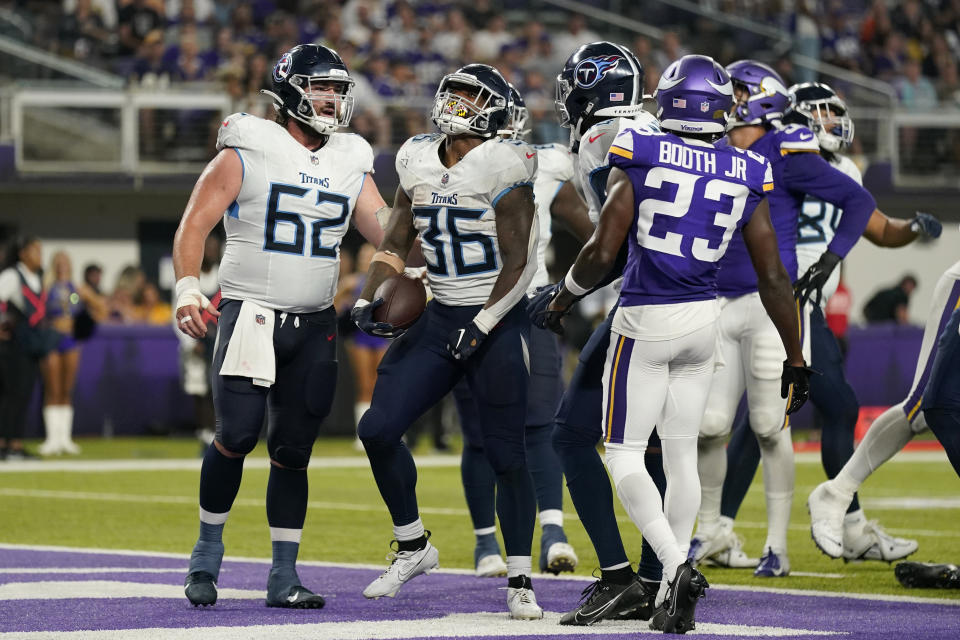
415 373
543 396
294 408
577 432
837 410
941 398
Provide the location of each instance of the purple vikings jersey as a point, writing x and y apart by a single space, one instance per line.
798 170
691 199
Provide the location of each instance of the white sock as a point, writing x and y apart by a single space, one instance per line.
360 408
888 434
278 534
208 517
551 516
485 531
51 423
778 477
711 467
410 531
519 566
67 418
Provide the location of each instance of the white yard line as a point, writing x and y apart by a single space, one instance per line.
379 567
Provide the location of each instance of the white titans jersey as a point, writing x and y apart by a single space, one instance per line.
817 226
554 168
591 165
453 211
284 229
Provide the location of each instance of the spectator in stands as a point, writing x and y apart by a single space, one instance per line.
576 34
83 34
891 304
402 34
188 65
22 301
888 61
448 42
150 308
149 68
479 12
125 294
135 21
64 301
916 92
428 65
488 42
670 50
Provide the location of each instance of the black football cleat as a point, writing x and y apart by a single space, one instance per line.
298 597
604 600
676 614
200 589
927 575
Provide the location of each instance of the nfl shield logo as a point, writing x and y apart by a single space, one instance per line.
704 106
261 319
315 160
445 179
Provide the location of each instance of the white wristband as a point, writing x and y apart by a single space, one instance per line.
485 321
571 285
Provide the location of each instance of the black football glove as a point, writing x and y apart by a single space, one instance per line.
362 316
795 385
461 343
926 224
541 316
816 276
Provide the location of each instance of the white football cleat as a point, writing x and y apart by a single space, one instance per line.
49 448
720 546
873 543
561 557
522 604
773 564
491 566
404 566
826 510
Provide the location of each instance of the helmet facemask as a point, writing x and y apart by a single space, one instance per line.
456 114
335 107
830 122
517 128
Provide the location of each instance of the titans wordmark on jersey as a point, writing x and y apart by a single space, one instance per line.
453 211
285 227
554 168
591 166
818 222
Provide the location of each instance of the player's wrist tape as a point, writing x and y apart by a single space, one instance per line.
360 303
389 258
187 292
571 285
383 216
485 321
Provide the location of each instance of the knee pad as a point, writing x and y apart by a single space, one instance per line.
766 424
291 457
624 461
321 384
505 456
372 427
715 424
239 444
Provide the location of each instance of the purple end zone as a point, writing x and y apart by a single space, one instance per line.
432 596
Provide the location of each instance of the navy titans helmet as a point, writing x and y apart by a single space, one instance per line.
300 84
819 108
486 112
599 79
519 116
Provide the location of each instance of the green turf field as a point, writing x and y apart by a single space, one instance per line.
347 522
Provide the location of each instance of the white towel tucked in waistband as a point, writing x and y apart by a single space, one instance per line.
250 352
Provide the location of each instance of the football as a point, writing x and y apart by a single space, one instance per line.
404 299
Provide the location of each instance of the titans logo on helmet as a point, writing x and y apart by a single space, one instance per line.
590 71
282 68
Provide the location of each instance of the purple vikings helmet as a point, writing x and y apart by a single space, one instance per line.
694 95
768 97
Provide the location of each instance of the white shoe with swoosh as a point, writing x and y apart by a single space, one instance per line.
404 566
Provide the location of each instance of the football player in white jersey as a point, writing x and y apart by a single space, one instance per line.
600 93
819 108
556 199
286 191
468 195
